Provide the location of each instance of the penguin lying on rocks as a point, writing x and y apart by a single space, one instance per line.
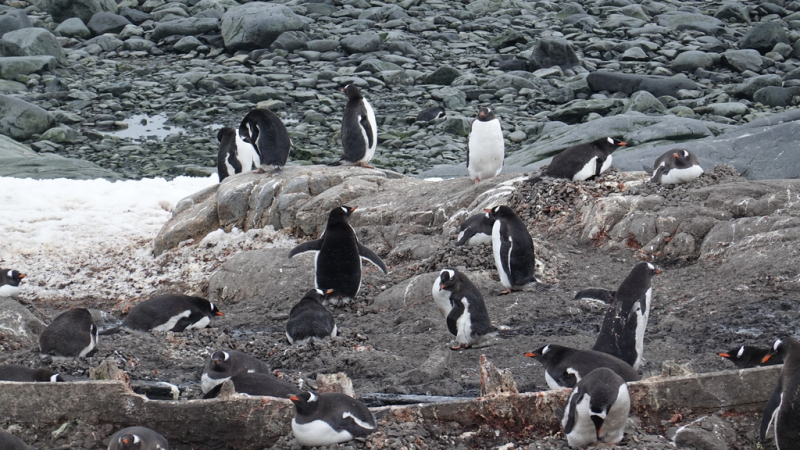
565 366
747 356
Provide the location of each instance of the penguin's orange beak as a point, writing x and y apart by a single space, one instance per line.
294 398
622 144
675 155
329 291
724 355
441 287
219 313
216 361
125 441
488 211
658 271
21 276
531 355
766 358
353 208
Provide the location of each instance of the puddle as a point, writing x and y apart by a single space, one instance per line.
144 126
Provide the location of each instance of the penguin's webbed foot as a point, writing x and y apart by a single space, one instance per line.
460 347
365 165
506 292
476 181
260 170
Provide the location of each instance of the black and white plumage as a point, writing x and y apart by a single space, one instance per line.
337 264
676 166
432 113
782 411
441 297
9 282
10 442
359 128
584 161
512 247
597 409
625 321
137 438
329 418
309 319
171 312
596 294
267 134
486 147
468 319
235 155
260 384
71 333
565 366
747 356
224 364
15 372
476 230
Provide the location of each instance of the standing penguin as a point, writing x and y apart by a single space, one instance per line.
137 438
224 364
625 322
783 407
512 247
9 282
359 129
565 366
486 147
71 333
468 320
597 409
171 312
235 155
268 135
476 230
748 356
14 372
329 418
584 161
308 319
337 264
676 166
441 297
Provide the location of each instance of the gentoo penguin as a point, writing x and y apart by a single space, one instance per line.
584 161
14 372
337 264
171 312
71 333
235 155
476 230
622 332
441 297
9 282
10 442
432 113
565 366
748 356
783 407
137 438
329 418
512 247
308 319
597 409
257 383
224 364
359 129
485 148
676 166
268 135
596 294
468 320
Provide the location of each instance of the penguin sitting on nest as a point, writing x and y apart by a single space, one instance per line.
329 418
676 166
747 356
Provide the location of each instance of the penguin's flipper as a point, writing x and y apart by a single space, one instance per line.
771 409
658 174
452 318
505 254
468 233
648 170
598 166
370 256
364 122
310 246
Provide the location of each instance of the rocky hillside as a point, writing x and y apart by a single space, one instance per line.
708 75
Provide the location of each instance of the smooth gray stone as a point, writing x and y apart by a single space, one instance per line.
774 96
256 25
106 22
742 60
751 85
732 11
763 37
19 161
11 87
376 66
138 45
443 76
106 43
629 83
361 43
184 27
645 103
21 120
322 45
135 16
681 20
692 60
31 42
290 41
11 66
13 19
74 27
550 52
674 129
61 10
187 44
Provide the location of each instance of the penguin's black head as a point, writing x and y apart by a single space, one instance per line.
609 144
646 269
684 158
225 132
342 212
129 442
47 375
214 310
13 277
778 348
449 279
736 355
220 361
485 114
499 212
598 424
317 294
352 92
542 354
305 403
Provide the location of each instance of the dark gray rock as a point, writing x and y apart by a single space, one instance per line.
672 129
13 19
549 52
61 10
21 120
106 22
682 20
256 25
31 42
74 27
187 44
734 12
507 38
135 16
751 85
361 43
645 103
692 60
184 27
377 66
106 43
290 41
12 66
774 96
20 327
19 161
742 60
138 45
763 37
630 83
443 76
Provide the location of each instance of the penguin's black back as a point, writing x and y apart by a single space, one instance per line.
354 119
522 259
786 397
69 333
15 372
238 362
747 356
10 277
602 386
308 318
158 310
268 135
264 384
475 224
227 153
558 359
428 114
570 161
461 287
330 407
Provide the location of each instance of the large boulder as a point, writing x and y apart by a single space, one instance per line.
13 19
19 161
742 60
549 52
74 27
361 43
683 20
106 22
20 327
11 66
21 120
32 41
763 37
256 25
184 27
61 10
629 83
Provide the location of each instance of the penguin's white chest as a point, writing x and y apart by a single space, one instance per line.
686 175
169 324
464 325
7 290
373 124
92 344
617 417
486 149
207 383
245 153
318 433
583 432
641 327
497 240
441 297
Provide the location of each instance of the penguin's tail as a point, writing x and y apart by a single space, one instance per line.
112 330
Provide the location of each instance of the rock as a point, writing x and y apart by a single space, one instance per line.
61 10
362 43
290 41
202 220
634 54
108 370
256 25
31 42
74 27
106 22
763 37
691 61
751 85
21 120
377 66
734 12
452 98
135 16
644 102
742 60
187 44
61 134
12 66
726 109
577 110
458 126
20 327
10 87
682 245
19 161
630 83
443 76
774 96
495 381
549 52
336 382
13 19
184 27
682 20
138 45
507 38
